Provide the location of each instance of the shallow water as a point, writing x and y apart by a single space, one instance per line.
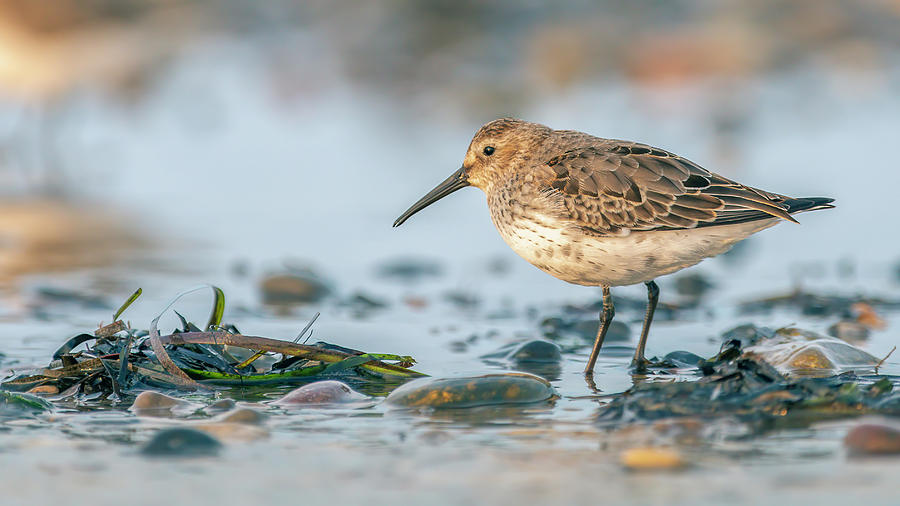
320 185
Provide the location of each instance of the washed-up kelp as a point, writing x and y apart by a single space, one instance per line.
738 385
116 358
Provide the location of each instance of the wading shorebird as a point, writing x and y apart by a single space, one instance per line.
603 212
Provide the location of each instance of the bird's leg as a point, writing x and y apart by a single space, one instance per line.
606 316
639 361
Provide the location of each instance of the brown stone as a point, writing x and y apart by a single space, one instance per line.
873 439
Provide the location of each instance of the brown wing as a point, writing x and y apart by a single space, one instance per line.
619 185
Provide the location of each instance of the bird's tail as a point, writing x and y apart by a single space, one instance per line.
807 204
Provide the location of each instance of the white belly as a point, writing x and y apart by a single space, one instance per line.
571 255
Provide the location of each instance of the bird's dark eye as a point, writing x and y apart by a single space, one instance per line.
489 150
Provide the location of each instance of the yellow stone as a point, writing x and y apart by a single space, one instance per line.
650 458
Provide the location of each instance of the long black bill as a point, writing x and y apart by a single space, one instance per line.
456 181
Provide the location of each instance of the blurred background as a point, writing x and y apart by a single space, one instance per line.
140 137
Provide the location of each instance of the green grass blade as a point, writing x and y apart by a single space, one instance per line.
137 293
215 318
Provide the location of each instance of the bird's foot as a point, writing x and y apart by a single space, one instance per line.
640 365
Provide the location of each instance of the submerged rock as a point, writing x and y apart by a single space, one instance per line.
873 439
467 392
181 442
321 392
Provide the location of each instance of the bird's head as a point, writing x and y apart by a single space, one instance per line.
499 148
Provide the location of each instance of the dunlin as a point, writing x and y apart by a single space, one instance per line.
602 212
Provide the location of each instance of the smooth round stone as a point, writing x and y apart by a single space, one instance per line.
536 351
150 403
873 439
321 392
181 442
490 389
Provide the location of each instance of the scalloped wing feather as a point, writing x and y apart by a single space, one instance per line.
611 187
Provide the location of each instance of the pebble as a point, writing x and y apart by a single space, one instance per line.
866 315
321 392
150 403
287 289
536 351
873 439
651 458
